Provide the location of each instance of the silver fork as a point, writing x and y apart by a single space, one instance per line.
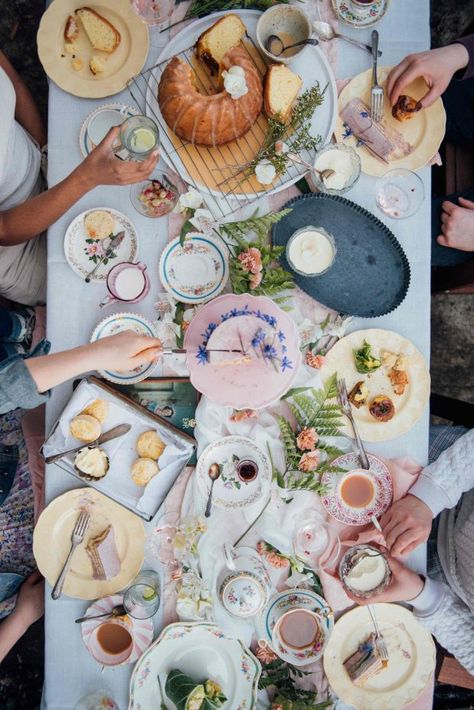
77 537
376 93
380 643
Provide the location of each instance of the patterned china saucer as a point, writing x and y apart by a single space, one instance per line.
350 516
360 17
101 120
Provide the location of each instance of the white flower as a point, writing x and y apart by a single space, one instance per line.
203 221
190 200
339 326
297 579
309 332
234 82
265 172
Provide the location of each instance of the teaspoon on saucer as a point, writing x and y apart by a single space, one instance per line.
275 46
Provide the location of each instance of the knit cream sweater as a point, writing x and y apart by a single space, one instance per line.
448 485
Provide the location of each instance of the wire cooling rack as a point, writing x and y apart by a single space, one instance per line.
218 171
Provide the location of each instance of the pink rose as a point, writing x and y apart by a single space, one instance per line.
309 461
261 547
276 560
251 260
316 361
307 439
255 280
242 414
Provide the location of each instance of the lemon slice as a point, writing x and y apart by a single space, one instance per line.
148 596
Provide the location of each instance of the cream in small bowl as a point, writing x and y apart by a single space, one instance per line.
345 164
364 571
311 251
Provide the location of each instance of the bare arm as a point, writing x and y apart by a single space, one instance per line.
101 167
26 111
29 608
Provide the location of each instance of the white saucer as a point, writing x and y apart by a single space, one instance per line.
98 123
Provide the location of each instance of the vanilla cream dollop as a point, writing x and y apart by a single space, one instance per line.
234 82
367 573
341 163
311 252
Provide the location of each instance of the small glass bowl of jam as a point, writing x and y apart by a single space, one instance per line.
247 470
156 196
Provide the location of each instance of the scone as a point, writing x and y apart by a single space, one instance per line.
149 445
143 470
382 408
405 108
85 428
99 224
91 462
99 409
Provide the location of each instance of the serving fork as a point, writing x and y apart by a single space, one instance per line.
77 537
380 643
376 93
345 405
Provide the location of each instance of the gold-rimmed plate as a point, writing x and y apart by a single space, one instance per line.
424 132
119 66
52 541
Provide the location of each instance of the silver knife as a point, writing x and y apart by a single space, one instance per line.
114 433
115 242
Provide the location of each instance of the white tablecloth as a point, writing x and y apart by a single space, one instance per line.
70 672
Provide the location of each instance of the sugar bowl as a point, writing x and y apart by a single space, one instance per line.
243 584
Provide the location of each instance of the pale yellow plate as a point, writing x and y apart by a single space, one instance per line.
120 66
424 132
408 407
411 651
52 541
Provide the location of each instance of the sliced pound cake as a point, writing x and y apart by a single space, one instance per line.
214 43
101 33
281 89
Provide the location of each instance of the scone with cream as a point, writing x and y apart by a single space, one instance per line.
91 462
99 224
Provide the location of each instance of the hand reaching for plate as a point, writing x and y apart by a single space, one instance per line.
123 352
436 66
406 524
102 167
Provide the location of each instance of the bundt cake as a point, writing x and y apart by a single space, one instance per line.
209 120
281 89
216 41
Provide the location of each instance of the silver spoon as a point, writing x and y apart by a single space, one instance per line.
118 610
326 32
322 174
275 46
213 473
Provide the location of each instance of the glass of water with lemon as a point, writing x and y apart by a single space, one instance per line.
139 136
142 598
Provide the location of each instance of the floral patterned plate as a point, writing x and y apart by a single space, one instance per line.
383 485
411 651
141 629
116 323
82 252
202 651
360 17
282 602
196 271
229 490
102 119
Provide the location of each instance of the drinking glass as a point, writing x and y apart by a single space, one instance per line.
399 193
150 11
98 700
139 136
142 598
315 542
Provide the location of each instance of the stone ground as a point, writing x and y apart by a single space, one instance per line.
452 358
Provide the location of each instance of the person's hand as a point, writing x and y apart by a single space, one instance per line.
30 602
122 352
404 586
406 524
102 167
457 225
436 66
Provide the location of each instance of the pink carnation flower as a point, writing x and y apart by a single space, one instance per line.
309 461
316 361
242 414
251 260
276 560
307 439
255 280
264 653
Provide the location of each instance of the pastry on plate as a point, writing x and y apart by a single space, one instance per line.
365 662
143 470
71 30
96 65
405 108
101 33
358 394
92 462
99 224
77 64
85 428
99 409
217 40
281 89
382 408
149 445
103 554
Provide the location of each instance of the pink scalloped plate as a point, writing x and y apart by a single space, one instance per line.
141 630
257 382
336 507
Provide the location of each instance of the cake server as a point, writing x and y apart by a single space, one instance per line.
115 242
114 433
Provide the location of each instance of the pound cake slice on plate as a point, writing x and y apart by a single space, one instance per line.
101 33
215 42
281 89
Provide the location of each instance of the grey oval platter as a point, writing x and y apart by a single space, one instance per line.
370 275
